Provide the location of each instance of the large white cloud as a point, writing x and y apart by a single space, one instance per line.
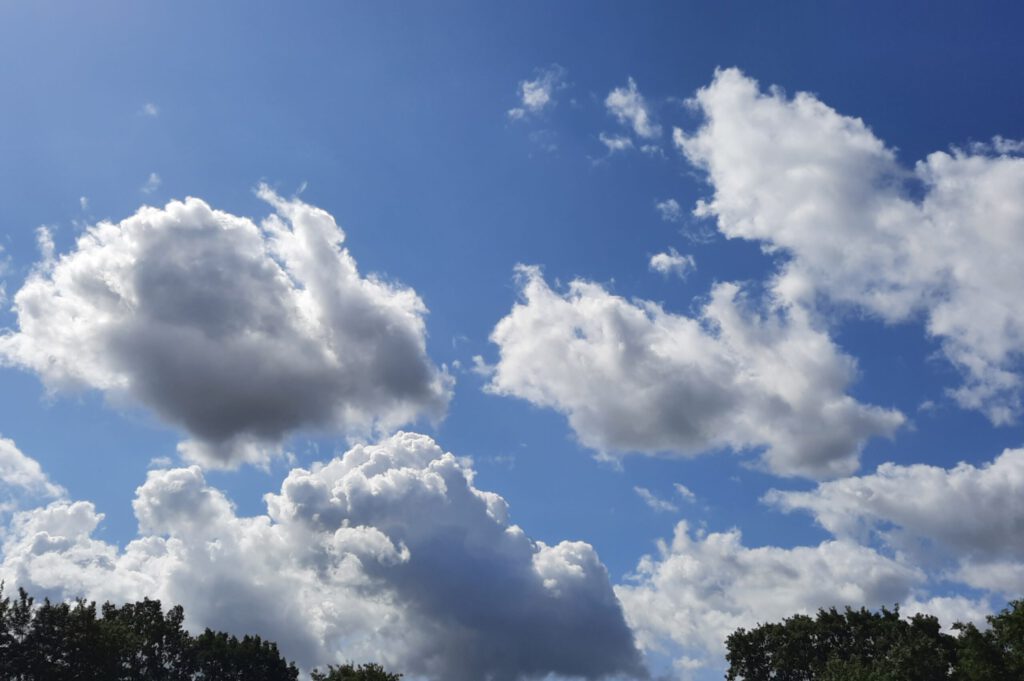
236 332
685 600
632 377
389 553
971 516
942 241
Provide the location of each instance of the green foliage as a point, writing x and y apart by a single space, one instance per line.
137 642
860 645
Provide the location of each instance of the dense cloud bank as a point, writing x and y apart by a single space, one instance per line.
239 333
387 553
940 241
630 376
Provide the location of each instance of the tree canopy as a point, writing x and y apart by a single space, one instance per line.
862 645
138 642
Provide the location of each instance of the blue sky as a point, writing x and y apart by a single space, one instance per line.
872 319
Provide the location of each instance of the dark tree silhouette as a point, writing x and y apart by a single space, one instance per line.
861 645
347 672
137 642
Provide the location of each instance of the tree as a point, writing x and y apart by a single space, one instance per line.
137 642
347 672
996 654
860 645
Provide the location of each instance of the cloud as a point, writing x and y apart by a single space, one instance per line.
699 588
615 143
985 545
538 94
629 108
654 502
684 491
669 210
387 553
152 184
631 377
150 109
22 478
939 241
672 263
238 333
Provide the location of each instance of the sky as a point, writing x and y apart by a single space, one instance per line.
513 340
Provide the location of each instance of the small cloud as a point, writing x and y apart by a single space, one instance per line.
83 202
684 491
44 241
161 462
538 94
615 143
669 210
152 184
673 263
482 368
545 140
1006 146
150 109
630 108
654 502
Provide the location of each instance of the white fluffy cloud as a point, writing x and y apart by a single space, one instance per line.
632 377
970 516
235 332
388 553
672 262
699 588
537 94
941 241
22 477
630 108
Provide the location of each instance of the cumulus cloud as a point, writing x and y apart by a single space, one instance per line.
21 477
387 553
669 210
969 516
538 94
673 263
238 333
630 108
940 241
631 377
699 588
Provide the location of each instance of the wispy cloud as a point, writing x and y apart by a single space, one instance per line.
152 184
669 210
630 108
654 502
538 94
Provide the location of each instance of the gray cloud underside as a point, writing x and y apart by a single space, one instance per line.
387 553
235 332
